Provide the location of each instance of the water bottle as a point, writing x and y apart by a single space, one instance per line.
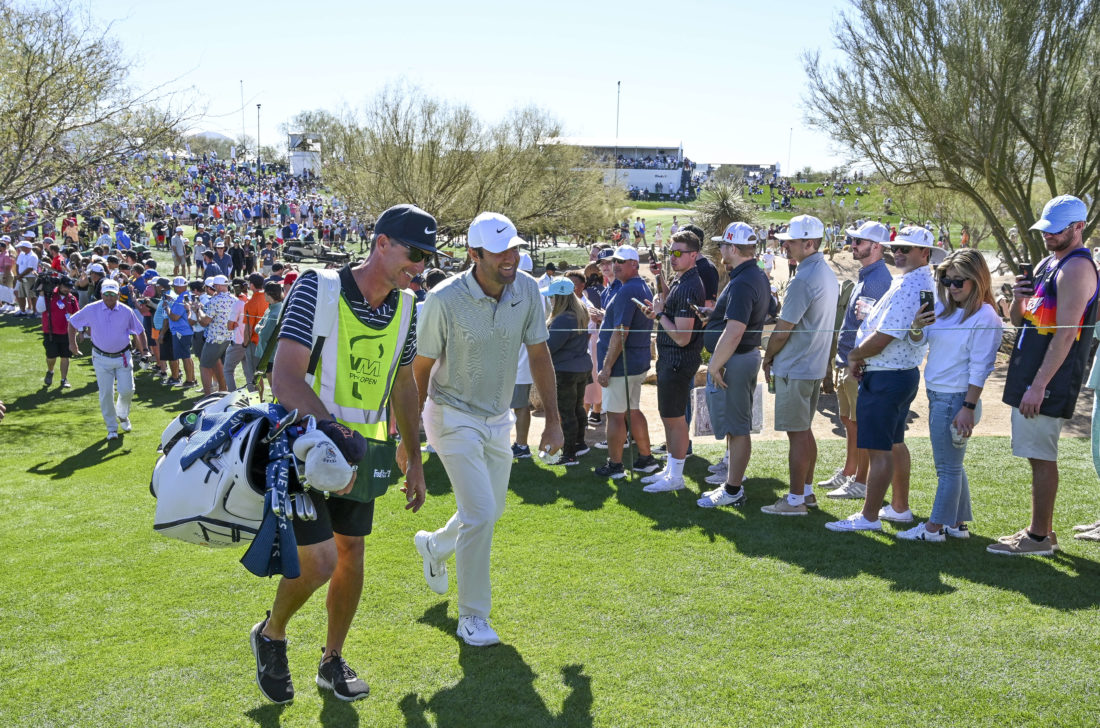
771 384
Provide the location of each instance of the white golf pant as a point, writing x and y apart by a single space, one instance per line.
477 455
109 373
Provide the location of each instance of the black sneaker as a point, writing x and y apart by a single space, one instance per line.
272 670
568 459
595 418
65 384
173 382
521 451
610 470
582 449
646 464
49 378
334 674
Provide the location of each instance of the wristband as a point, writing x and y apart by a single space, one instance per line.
970 405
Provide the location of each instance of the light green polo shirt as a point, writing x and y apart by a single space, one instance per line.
475 340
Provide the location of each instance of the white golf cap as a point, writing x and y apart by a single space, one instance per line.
803 227
29 234
625 252
525 263
179 228
919 237
108 286
737 233
493 232
219 281
23 244
558 287
876 232
209 282
96 268
179 281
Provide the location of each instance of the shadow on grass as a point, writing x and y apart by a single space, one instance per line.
92 456
336 712
267 716
908 566
539 486
497 688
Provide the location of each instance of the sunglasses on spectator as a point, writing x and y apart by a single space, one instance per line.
903 249
416 255
678 253
953 282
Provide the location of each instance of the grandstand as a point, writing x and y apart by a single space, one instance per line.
656 168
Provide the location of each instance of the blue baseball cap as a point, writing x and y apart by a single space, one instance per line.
410 225
559 287
1059 213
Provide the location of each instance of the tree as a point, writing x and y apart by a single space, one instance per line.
408 147
67 107
998 100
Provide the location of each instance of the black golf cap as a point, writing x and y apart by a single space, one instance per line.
410 225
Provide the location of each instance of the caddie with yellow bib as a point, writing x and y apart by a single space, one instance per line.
345 351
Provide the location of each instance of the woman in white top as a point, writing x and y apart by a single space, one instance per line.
963 336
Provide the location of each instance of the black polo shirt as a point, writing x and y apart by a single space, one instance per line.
745 298
687 290
708 274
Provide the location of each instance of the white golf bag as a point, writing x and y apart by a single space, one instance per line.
219 499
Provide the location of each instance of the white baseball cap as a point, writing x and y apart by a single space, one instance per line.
803 227
29 234
219 281
625 252
96 268
525 263
876 232
737 233
179 228
179 281
920 237
109 286
493 232
23 244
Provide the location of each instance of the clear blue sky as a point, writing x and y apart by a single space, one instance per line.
725 78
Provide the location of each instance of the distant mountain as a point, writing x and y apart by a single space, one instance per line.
211 135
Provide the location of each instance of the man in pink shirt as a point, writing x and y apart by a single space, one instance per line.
112 324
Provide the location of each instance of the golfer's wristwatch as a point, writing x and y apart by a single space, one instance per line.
970 405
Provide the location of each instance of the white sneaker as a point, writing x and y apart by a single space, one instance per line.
961 532
854 522
656 476
920 533
435 570
112 435
476 631
665 485
850 489
720 497
721 466
887 513
125 425
720 478
836 480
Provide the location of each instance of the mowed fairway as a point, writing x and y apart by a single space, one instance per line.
617 608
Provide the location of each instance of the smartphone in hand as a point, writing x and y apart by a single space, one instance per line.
1027 270
926 301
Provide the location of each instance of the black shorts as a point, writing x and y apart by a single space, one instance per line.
57 345
164 347
334 515
674 387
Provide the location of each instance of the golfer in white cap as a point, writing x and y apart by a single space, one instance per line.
468 340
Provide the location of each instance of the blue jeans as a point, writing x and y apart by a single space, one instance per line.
952 504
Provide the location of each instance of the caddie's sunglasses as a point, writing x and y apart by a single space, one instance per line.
953 282
416 255
903 249
679 253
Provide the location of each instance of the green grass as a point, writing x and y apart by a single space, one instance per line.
617 608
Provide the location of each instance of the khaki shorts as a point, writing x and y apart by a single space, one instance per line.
1035 437
25 287
795 403
847 392
614 397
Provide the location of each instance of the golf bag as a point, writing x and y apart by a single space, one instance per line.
216 499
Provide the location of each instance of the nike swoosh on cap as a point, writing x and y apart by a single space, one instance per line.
429 232
502 230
